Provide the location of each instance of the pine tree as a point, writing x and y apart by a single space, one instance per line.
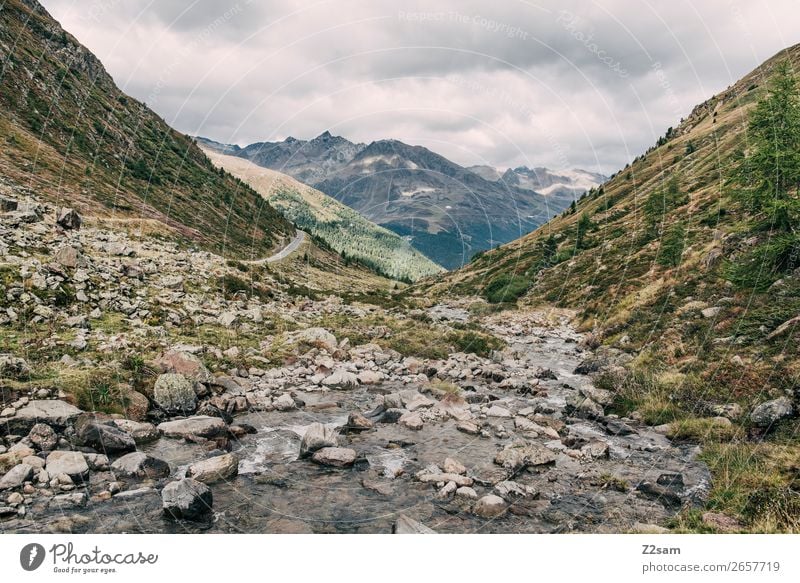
584 224
768 178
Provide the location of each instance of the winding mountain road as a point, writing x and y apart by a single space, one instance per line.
293 245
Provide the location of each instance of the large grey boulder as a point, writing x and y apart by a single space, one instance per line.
72 463
197 426
175 394
16 476
185 363
56 414
215 469
316 437
68 219
102 435
186 499
141 465
770 412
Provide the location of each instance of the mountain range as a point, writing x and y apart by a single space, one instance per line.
446 211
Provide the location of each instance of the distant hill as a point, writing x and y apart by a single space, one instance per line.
339 226
445 210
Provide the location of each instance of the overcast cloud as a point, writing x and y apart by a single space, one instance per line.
502 82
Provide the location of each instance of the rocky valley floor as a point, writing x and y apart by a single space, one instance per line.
152 389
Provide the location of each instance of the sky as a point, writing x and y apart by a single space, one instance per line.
568 84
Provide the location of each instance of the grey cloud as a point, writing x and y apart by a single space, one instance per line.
505 83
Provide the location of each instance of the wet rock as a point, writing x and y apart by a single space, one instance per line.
490 506
511 491
468 427
498 411
443 478
175 394
392 415
183 363
413 400
617 427
467 493
43 437
140 465
16 476
71 463
284 403
452 466
370 377
520 455
357 422
405 525
197 426
68 219
140 432
67 501
341 379
215 469
102 435
337 457
411 421
186 499
768 413
316 437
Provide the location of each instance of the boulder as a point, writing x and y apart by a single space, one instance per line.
68 219
140 465
13 367
341 379
411 421
71 463
175 394
765 414
140 432
317 337
490 506
197 426
136 404
284 403
214 469
316 437
43 437
56 414
16 477
102 435
68 257
186 499
518 456
337 457
184 363
357 422
370 377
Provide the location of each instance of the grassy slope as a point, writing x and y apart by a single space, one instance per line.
631 298
70 134
342 228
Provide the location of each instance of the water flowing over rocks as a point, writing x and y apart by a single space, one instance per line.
327 433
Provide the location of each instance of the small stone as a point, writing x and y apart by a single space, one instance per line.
498 411
197 426
284 403
341 379
16 476
468 427
770 412
71 463
405 525
186 499
175 394
721 522
452 466
68 219
140 465
466 492
490 506
316 437
214 469
43 437
411 421
357 422
338 457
